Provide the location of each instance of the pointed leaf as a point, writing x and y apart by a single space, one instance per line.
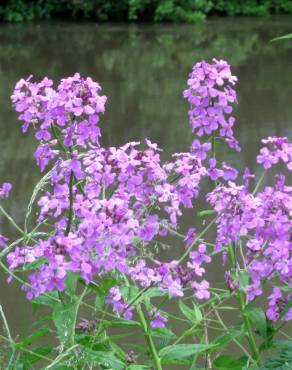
225 362
194 315
182 353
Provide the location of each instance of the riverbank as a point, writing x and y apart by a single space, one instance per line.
188 11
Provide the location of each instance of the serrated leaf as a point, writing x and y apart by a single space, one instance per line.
32 338
33 265
28 359
63 317
107 359
190 331
71 282
258 318
129 292
118 351
162 333
223 340
182 353
194 315
154 292
47 299
123 322
226 362
281 360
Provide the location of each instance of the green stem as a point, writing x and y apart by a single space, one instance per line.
147 335
213 145
259 183
249 332
195 241
70 216
227 331
29 351
10 219
11 341
149 340
79 302
57 138
250 336
62 356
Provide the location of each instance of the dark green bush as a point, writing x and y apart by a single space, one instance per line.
137 10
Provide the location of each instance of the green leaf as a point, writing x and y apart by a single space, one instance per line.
154 292
47 299
206 212
243 279
284 37
33 265
106 359
92 285
129 292
190 331
106 284
26 359
138 367
123 322
281 360
182 353
258 318
226 362
118 351
63 317
225 339
71 282
194 315
32 338
286 308
162 333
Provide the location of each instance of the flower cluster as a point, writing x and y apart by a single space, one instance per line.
62 117
264 222
106 204
119 305
110 207
211 95
278 148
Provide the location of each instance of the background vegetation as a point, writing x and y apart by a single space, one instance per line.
137 10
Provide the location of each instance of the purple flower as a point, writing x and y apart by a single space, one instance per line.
200 150
158 320
253 291
201 289
229 173
119 305
3 241
190 237
211 95
4 190
213 171
278 149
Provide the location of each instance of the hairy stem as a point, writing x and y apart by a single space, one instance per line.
11 341
187 252
10 219
259 183
249 332
148 338
71 198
